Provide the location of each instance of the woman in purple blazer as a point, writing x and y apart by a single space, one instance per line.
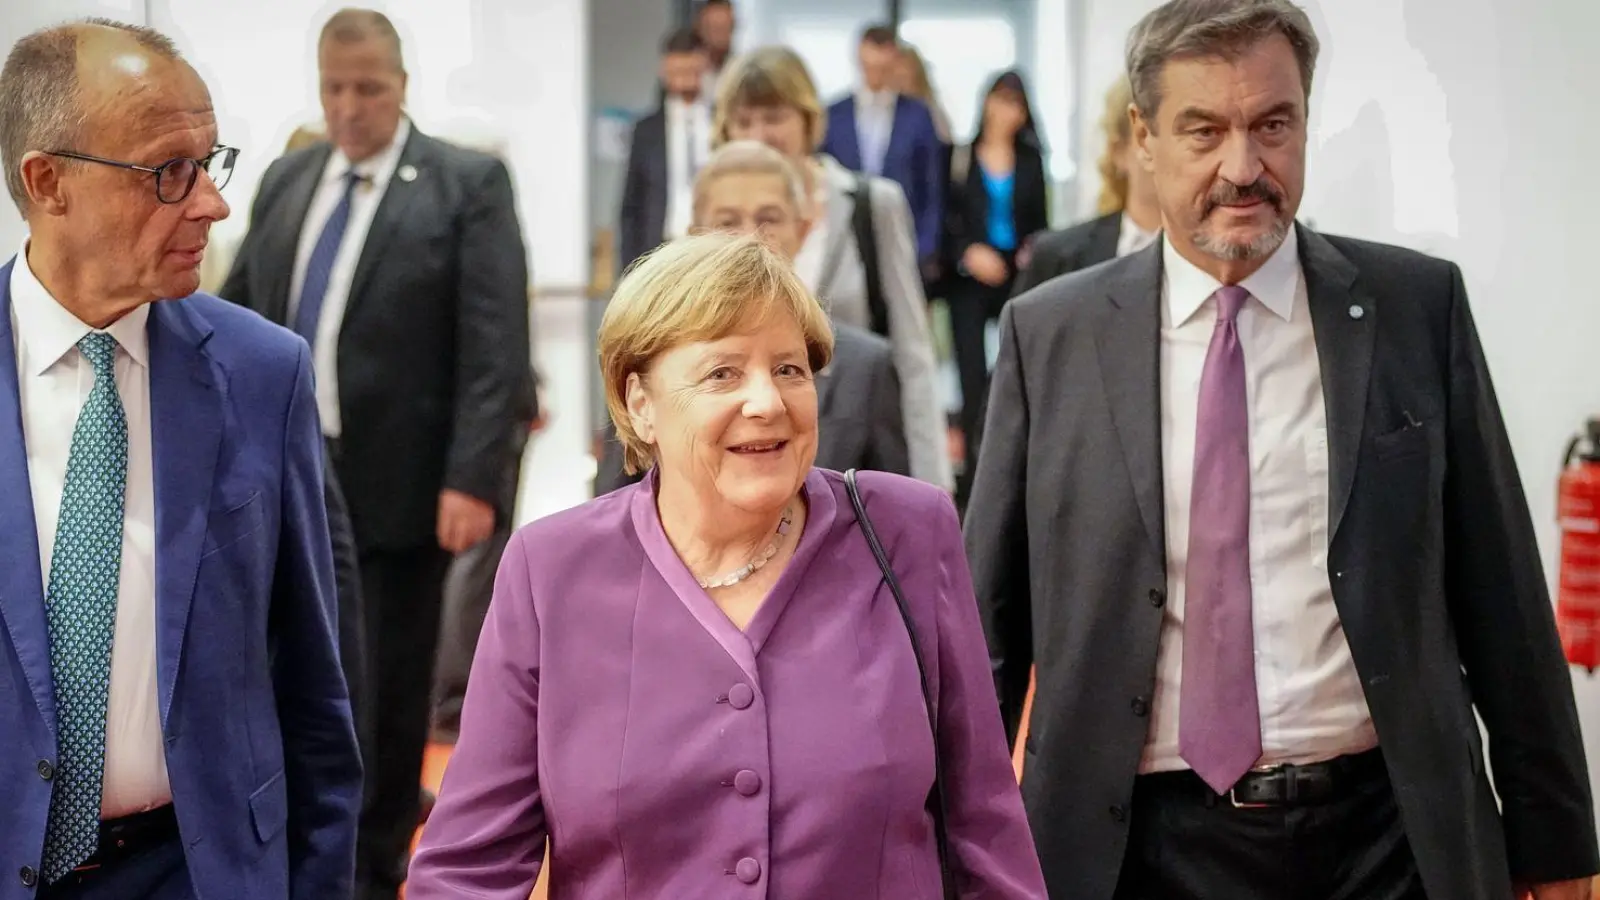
701 686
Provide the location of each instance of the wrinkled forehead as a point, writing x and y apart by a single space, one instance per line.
138 101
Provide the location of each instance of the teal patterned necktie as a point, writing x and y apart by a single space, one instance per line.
81 603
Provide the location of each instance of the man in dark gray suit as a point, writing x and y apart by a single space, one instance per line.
668 147
400 259
1247 500
859 425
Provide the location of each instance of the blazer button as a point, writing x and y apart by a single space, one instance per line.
1141 707
29 876
748 870
747 783
1158 598
1119 813
46 771
740 696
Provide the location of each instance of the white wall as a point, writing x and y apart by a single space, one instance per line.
520 66
1462 128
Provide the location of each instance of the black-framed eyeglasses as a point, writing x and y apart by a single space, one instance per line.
175 178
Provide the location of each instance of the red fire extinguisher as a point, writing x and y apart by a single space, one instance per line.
1578 510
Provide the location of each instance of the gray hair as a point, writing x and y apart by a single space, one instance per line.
40 103
352 26
1189 29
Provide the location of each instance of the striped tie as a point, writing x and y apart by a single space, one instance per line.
320 268
81 608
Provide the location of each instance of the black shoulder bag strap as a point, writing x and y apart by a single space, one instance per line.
867 243
936 798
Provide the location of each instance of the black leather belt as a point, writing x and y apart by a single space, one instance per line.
1284 786
125 838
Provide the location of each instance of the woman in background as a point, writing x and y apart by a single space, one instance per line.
768 96
999 198
700 686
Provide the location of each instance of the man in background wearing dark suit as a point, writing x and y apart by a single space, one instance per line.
400 259
1247 498
669 146
1130 216
879 131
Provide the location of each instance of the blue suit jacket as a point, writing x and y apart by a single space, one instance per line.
915 160
261 753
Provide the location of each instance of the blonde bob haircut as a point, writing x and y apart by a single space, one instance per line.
748 158
765 78
695 289
1119 134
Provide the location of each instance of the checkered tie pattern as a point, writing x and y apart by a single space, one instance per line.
319 269
81 608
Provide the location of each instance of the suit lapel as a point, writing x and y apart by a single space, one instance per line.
1128 345
841 206
1103 242
283 242
826 380
899 133
1345 340
391 213
21 581
847 146
186 430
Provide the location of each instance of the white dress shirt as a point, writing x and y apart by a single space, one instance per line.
688 148
874 127
1312 705
54 381
377 171
1131 238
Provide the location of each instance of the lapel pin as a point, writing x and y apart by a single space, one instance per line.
1357 312
407 173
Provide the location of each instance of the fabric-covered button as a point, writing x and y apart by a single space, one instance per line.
747 783
740 696
748 870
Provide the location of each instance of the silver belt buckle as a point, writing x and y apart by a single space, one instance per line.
1233 792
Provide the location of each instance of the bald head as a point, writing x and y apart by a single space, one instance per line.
58 81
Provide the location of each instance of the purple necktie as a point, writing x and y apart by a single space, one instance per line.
1219 719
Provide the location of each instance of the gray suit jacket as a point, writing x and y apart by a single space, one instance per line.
842 288
1068 250
1436 574
858 414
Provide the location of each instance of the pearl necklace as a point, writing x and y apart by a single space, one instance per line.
761 559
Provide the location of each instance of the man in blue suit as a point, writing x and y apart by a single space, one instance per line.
173 719
881 132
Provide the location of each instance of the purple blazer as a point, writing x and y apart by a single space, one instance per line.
614 709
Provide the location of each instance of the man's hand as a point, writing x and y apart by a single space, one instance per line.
464 521
1577 889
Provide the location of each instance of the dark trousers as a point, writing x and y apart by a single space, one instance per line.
156 874
1186 843
468 588
973 305
402 591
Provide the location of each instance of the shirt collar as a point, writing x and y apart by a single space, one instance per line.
882 100
376 169
48 331
1131 238
1274 284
